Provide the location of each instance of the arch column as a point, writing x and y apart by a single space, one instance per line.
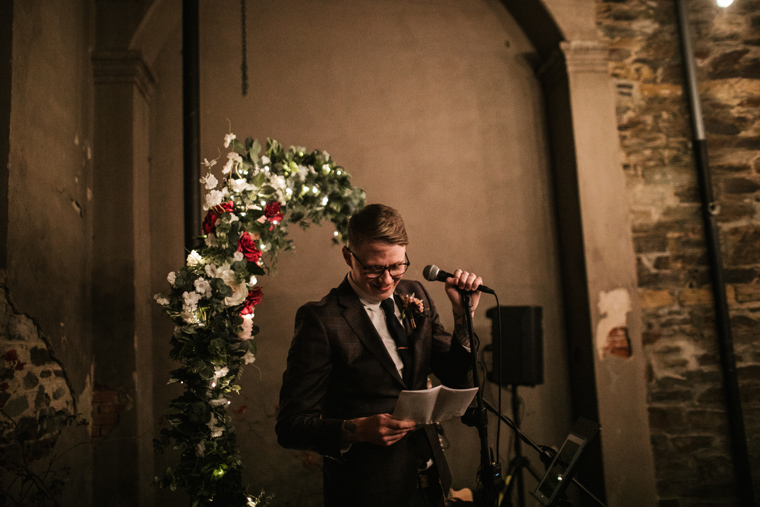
597 254
122 402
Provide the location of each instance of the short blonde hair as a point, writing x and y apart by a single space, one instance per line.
377 223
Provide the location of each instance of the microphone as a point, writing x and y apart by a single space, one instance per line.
434 274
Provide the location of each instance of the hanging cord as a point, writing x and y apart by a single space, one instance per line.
244 47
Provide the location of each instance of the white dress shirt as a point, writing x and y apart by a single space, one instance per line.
377 316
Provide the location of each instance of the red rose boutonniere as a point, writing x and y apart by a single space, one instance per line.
413 308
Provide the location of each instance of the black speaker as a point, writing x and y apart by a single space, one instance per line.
519 346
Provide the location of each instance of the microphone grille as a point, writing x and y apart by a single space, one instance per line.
431 272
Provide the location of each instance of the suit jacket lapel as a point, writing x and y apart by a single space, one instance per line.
416 338
357 318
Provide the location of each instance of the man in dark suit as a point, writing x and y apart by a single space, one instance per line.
352 355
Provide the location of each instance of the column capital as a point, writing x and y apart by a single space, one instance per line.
120 67
585 56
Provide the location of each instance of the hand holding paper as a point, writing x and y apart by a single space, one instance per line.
433 405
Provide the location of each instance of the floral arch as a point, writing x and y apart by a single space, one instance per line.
212 299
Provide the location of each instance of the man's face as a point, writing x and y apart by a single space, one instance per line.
375 254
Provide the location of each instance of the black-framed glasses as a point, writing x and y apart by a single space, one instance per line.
395 270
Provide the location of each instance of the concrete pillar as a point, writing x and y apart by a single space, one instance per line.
615 351
121 277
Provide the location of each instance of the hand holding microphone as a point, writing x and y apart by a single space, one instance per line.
434 274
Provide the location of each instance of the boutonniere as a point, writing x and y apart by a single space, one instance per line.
412 308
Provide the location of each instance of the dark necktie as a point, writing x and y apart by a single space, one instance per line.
399 335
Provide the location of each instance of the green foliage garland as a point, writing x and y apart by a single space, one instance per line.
212 300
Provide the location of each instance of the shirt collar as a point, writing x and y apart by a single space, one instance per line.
366 299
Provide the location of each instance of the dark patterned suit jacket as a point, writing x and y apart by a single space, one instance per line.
337 369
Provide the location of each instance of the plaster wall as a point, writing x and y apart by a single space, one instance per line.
49 190
431 112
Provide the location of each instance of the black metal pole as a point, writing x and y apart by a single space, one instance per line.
518 450
191 131
489 473
710 211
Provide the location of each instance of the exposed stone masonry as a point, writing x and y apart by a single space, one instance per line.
690 436
32 383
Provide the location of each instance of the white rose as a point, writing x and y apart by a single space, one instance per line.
194 259
226 274
239 293
171 277
238 256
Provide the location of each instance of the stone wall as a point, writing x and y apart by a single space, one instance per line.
688 421
36 404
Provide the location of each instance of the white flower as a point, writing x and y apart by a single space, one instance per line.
239 293
239 185
325 168
278 182
209 163
238 256
218 402
211 270
188 315
228 139
221 372
211 240
171 277
216 431
194 259
202 287
161 300
249 357
209 181
227 167
191 300
253 281
213 198
200 449
265 160
226 274
246 328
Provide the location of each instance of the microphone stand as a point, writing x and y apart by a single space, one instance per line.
543 452
489 473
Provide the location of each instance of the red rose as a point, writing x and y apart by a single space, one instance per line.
20 366
247 245
272 212
209 223
253 298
